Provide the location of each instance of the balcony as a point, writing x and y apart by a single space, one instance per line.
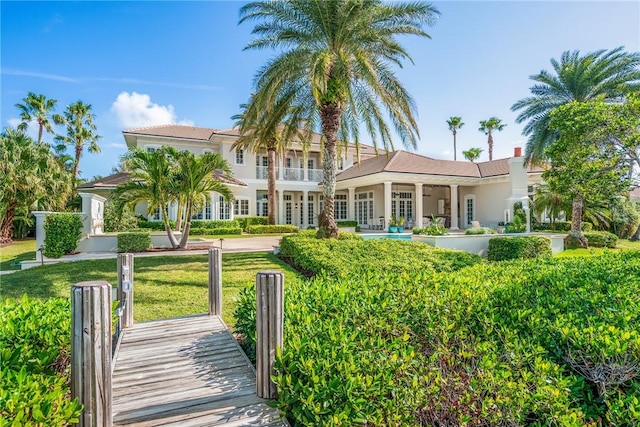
315 175
291 174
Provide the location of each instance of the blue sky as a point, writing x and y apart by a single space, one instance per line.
148 63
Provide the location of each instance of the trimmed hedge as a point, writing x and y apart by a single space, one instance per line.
154 225
34 348
265 229
505 248
481 230
225 223
134 241
601 239
561 226
63 232
214 231
248 221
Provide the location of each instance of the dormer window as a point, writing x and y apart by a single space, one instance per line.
239 156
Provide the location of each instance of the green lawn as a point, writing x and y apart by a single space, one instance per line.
164 286
19 250
622 245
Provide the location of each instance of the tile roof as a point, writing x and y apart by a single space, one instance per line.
404 162
177 131
113 181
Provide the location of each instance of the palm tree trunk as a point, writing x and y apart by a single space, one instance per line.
330 117
575 237
165 219
6 224
187 226
271 185
76 161
40 128
179 215
454 145
490 147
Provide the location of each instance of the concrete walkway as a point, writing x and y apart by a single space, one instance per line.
240 244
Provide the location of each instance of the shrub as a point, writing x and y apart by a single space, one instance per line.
504 248
601 239
247 221
561 226
34 348
481 230
115 221
517 226
63 232
214 231
154 225
266 229
134 241
225 223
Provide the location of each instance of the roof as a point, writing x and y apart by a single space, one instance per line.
177 131
112 181
404 162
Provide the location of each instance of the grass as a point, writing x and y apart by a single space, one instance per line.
164 286
622 245
19 250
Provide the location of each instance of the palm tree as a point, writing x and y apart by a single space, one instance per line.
260 129
488 127
610 75
40 109
455 123
472 154
80 128
550 202
195 182
335 65
151 176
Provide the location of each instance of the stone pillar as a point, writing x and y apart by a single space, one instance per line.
387 202
40 233
454 207
93 213
419 205
351 213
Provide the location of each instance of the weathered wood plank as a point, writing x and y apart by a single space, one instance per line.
186 372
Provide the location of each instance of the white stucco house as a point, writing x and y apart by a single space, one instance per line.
369 191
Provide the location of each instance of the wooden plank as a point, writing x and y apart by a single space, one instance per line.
186 372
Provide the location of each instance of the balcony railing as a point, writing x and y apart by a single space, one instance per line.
315 175
291 174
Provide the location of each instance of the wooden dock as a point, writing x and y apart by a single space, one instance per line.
186 372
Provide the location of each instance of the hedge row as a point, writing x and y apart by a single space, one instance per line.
601 239
134 241
34 377
226 223
265 229
63 232
516 343
561 226
214 231
504 248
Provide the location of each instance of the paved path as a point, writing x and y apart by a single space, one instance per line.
186 372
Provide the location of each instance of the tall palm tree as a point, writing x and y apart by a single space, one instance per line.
195 182
455 123
151 177
270 128
610 75
80 129
488 127
38 108
335 64
472 154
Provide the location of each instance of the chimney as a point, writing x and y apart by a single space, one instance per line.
517 152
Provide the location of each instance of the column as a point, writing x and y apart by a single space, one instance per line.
419 206
387 201
454 207
351 213
280 207
304 212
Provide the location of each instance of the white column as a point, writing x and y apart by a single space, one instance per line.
387 202
304 213
419 206
305 171
231 213
212 201
454 207
280 207
40 233
351 214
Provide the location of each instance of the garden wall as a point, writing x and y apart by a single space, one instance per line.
479 244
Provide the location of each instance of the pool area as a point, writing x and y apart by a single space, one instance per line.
392 236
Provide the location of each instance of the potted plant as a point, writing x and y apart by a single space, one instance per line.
500 227
401 225
393 224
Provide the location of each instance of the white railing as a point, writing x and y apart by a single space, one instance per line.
315 175
293 174
262 172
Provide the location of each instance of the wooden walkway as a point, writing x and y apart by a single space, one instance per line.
186 372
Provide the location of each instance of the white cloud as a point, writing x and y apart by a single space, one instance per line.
32 128
118 145
135 110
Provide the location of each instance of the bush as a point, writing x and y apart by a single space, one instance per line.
225 223
601 239
115 221
214 231
504 248
481 230
34 348
561 226
63 232
247 221
134 241
266 229
347 223
154 225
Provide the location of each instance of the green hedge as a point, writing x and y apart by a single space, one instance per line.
34 377
481 230
225 223
561 226
134 241
154 225
601 239
248 221
214 231
266 229
517 343
63 232
504 248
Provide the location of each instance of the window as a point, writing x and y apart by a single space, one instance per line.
262 205
341 207
469 209
239 156
288 209
207 150
224 208
364 207
311 213
151 148
241 207
402 204
156 215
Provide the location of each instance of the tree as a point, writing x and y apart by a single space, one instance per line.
609 75
335 64
488 127
29 175
194 182
80 127
455 123
584 162
550 202
472 154
38 108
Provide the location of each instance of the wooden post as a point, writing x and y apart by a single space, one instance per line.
125 288
91 352
215 282
269 327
